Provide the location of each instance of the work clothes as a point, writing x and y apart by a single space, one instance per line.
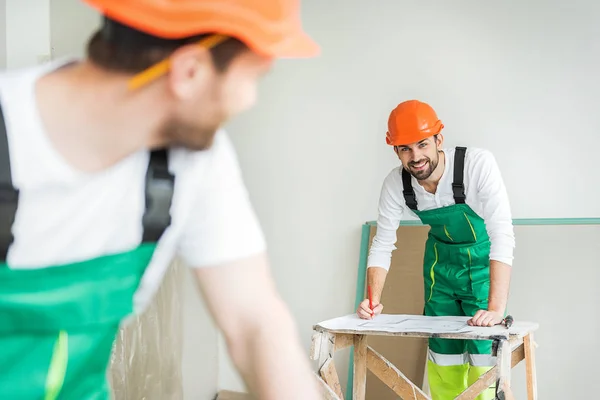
82 252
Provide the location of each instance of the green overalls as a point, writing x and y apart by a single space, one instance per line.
58 323
457 282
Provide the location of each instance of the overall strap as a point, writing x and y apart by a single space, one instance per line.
160 185
458 187
9 196
408 191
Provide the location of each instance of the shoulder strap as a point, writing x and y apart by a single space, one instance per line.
9 196
458 187
159 195
160 184
408 191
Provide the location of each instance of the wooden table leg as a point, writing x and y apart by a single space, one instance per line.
360 368
530 372
503 363
322 349
326 390
393 377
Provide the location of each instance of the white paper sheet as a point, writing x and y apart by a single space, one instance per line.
400 323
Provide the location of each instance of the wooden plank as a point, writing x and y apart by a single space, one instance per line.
343 340
326 391
508 394
326 348
514 341
331 378
360 368
315 345
322 349
347 324
392 377
504 363
529 350
517 356
487 379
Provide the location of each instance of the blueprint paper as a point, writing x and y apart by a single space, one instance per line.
400 324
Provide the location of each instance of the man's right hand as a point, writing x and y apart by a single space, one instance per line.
365 312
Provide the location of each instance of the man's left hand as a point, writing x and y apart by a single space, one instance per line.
486 318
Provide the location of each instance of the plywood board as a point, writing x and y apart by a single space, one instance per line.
402 294
146 358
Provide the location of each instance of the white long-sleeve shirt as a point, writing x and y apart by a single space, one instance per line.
485 194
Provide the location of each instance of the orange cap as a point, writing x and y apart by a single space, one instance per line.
412 121
269 27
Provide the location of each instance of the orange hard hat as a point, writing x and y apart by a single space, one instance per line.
269 27
412 121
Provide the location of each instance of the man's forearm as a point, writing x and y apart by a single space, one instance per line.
376 279
499 286
272 361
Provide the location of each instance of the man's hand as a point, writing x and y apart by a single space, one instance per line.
365 312
485 318
375 280
261 335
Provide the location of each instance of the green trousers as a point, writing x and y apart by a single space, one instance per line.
457 282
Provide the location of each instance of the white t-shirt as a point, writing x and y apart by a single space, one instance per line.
65 215
485 194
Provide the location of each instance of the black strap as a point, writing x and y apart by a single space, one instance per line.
408 191
9 196
160 184
458 187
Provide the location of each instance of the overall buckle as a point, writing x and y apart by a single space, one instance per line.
458 190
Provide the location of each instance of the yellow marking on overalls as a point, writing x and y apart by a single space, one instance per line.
432 272
58 366
472 230
447 234
470 263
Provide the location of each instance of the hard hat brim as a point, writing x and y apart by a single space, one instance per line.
264 37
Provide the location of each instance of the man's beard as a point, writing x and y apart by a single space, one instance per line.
424 173
191 137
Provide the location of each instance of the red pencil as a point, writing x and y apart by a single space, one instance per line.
370 299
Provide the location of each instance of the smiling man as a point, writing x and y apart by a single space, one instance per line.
460 194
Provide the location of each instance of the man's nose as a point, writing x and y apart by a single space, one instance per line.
416 155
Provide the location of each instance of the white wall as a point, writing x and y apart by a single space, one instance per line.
3 34
555 282
72 23
27 32
200 365
519 78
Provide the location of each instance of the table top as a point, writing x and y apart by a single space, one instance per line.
423 326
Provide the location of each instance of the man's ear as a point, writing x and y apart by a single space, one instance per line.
439 141
190 67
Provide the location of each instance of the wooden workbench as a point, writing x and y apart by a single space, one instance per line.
511 346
